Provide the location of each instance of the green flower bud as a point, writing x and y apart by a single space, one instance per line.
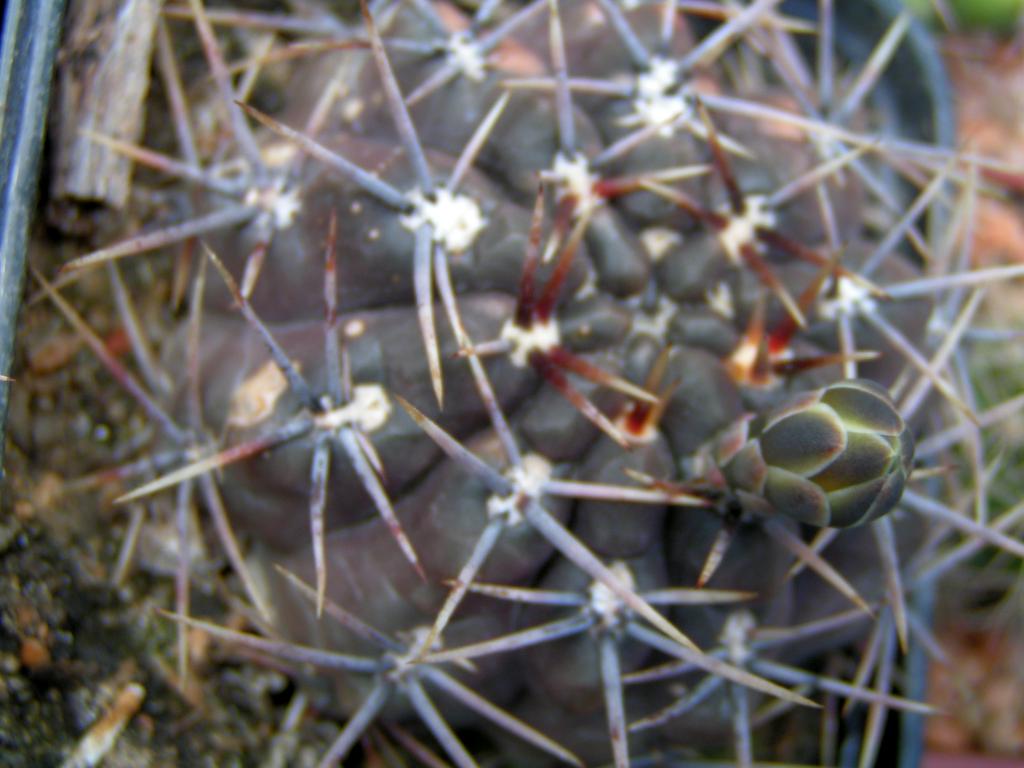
836 457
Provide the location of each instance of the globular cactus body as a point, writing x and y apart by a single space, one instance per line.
627 411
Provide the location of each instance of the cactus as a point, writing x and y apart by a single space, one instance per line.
556 384
832 459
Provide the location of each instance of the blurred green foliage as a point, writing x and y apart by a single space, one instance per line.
996 15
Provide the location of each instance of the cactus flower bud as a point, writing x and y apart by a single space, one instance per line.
835 457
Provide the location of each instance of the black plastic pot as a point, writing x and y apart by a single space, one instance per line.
914 96
31 34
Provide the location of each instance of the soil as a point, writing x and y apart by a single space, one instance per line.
75 630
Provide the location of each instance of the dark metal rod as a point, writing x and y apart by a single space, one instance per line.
31 34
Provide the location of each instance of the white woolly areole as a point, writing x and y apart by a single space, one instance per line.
279 204
659 99
741 229
661 76
658 241
604 603
465 55
852 298
455 221
369 410
719 299
573 177
736 636
355 328
523 342
654 323
528 481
